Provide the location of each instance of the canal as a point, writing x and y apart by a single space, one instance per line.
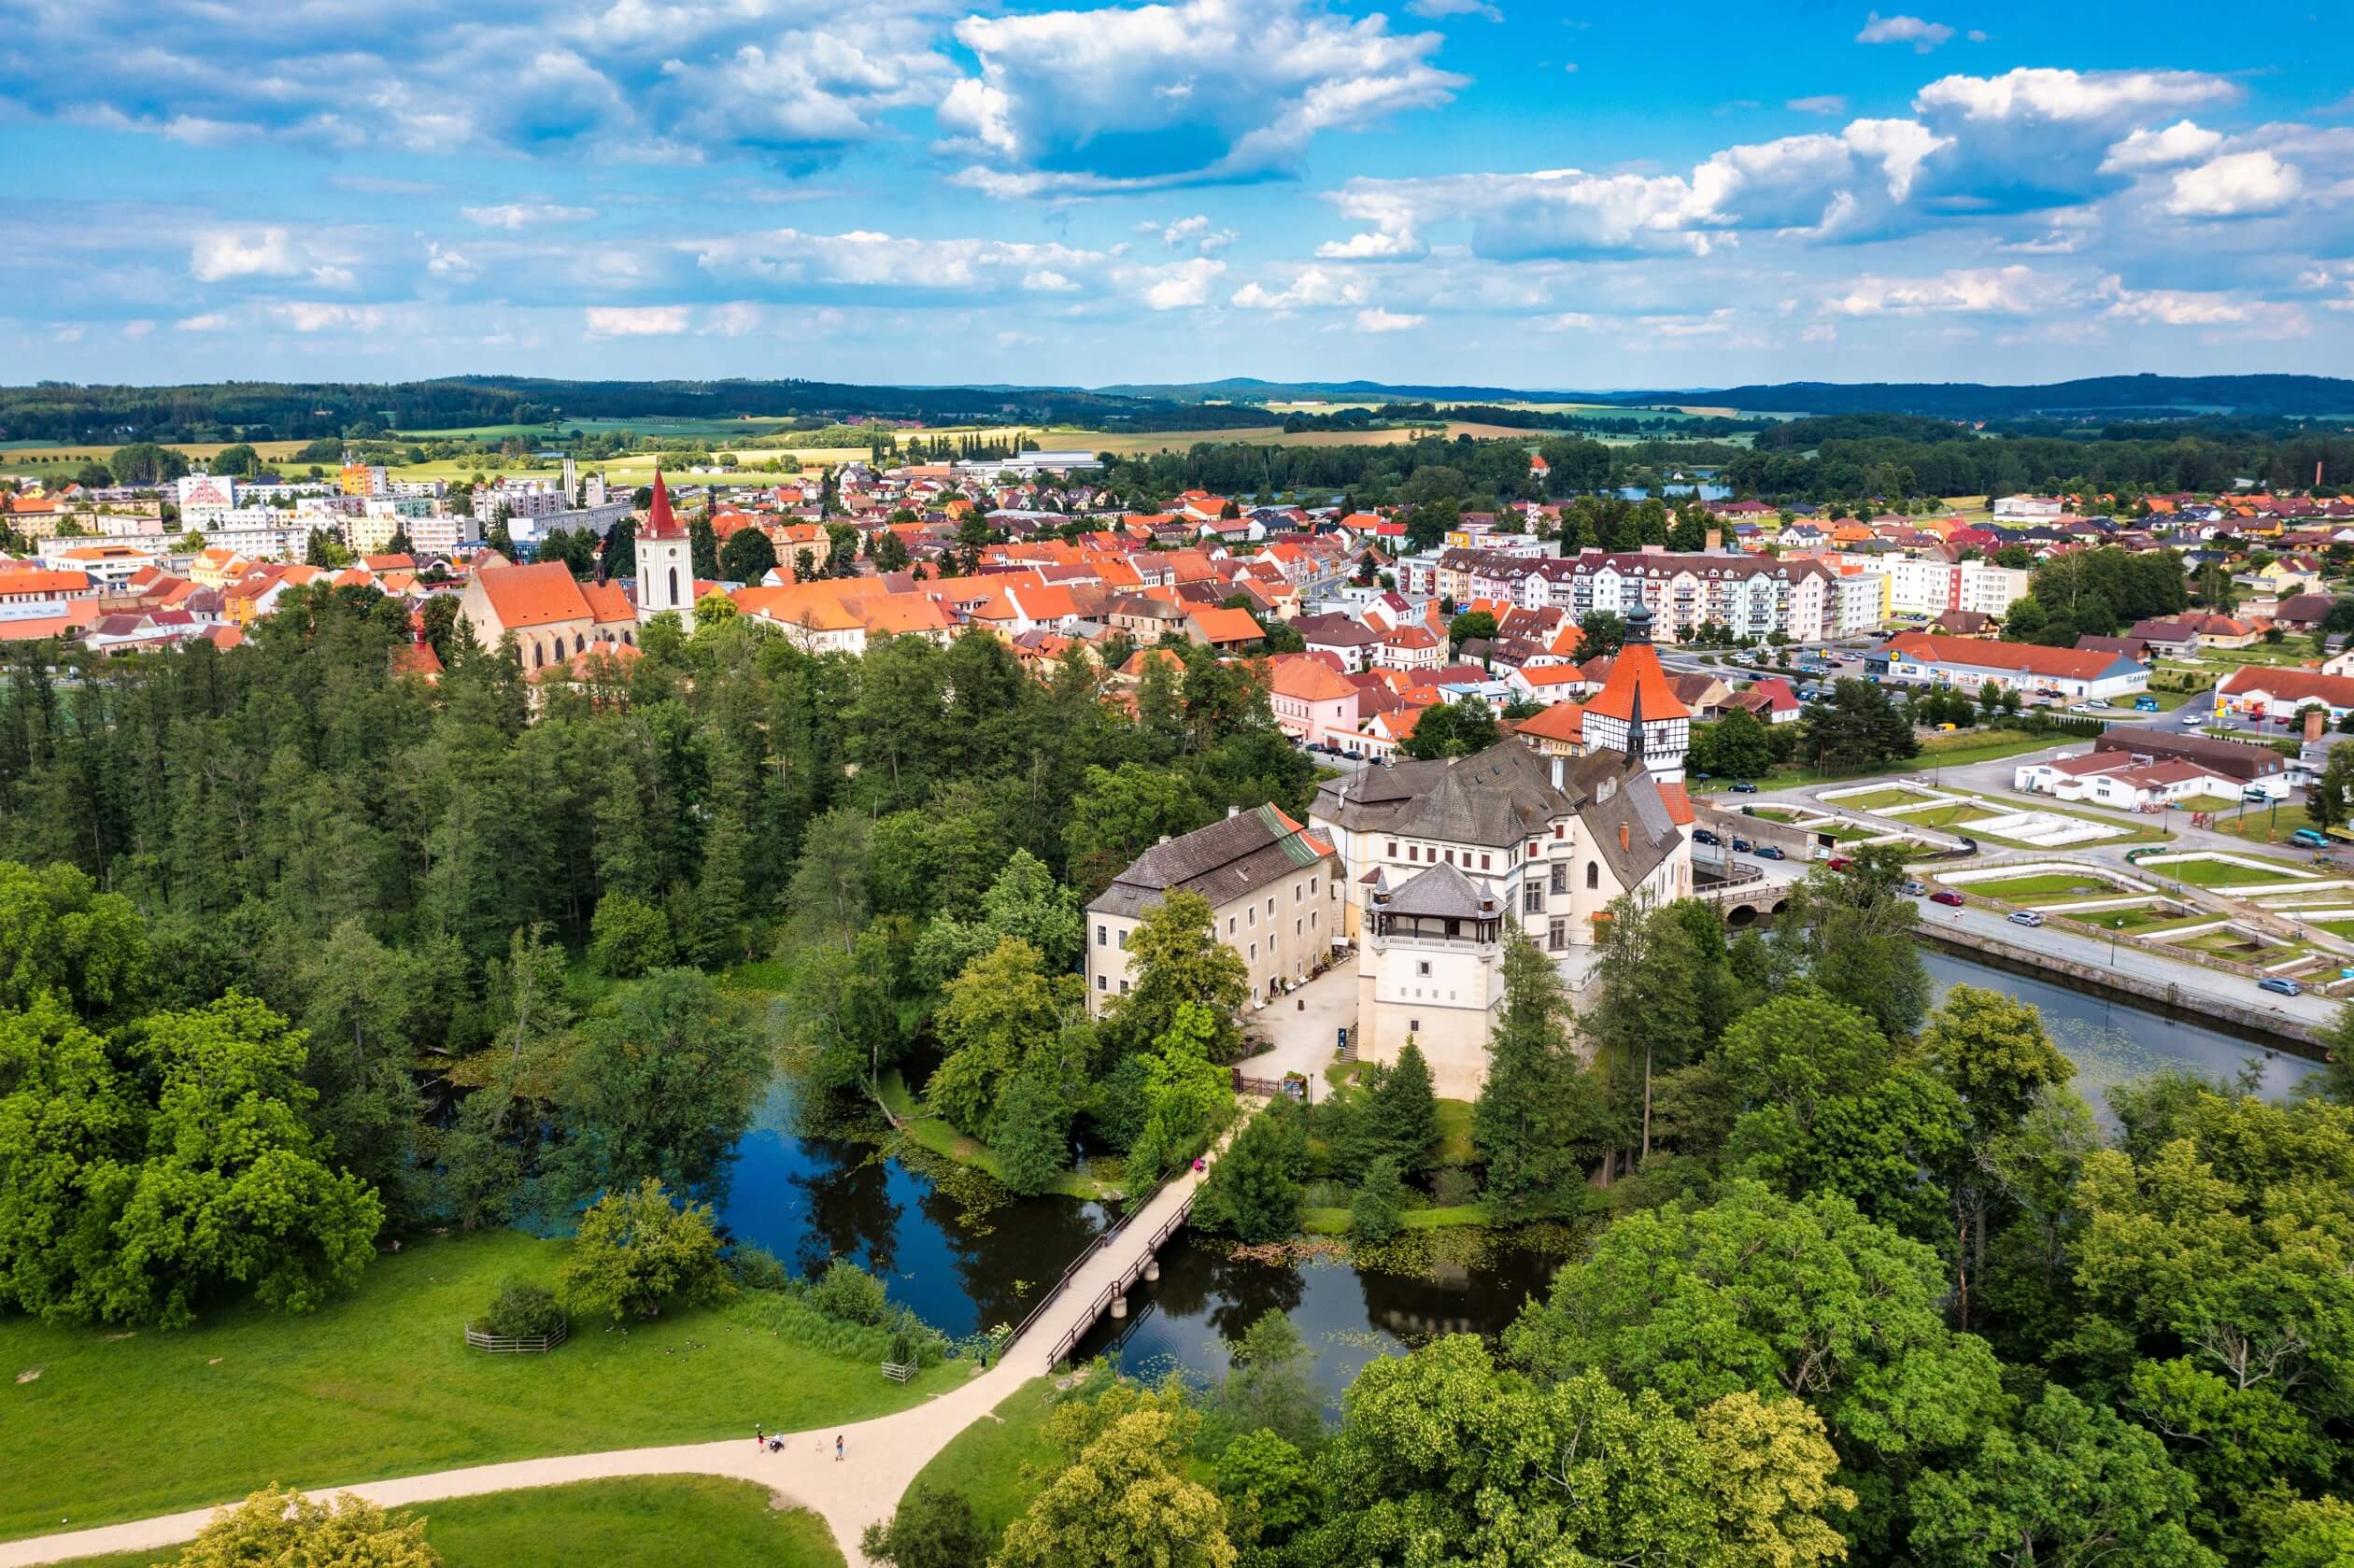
807 1199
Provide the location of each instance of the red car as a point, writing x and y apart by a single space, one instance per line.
1839 863
1946 896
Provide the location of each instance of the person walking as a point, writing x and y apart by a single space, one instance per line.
837 1448
759 1438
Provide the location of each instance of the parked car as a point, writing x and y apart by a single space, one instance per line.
1840 863
1912 888
2280 987
1702 836
2145 704
2025 917
1741 846
1770 852
1744 787
1946 896
2310 838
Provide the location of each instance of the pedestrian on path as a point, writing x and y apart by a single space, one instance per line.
837 1448
759 1438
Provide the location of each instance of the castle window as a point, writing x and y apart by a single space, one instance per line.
673 588
1593 873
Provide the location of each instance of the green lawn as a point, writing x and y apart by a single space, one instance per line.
2222 874
1942 750
1947 816
1879 799
643 1521
1335 1222
999 1466
935 1133
123 1425
1455 1133
2046 884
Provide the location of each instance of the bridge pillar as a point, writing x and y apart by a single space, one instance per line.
1119 1306
1152 1270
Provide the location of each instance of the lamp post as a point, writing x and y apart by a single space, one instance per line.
2115 926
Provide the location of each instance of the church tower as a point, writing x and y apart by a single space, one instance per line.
1637 713
665 562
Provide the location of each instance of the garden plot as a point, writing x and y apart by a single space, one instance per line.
2049 830
1886 797
2046 882
1925 806
2237 875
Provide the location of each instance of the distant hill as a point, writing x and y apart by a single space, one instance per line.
2105 395
1247 388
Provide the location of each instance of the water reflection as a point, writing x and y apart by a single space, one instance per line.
808 1199
2113 1042
1206 1297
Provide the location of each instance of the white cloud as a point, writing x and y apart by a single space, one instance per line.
137 329
1179 285
1821 103
312 315
1086 102
1820 331
210 321
513 215
442 263
2046 95
2179 143
1195 231
2234 186
650 321
1380 320
864 259
228 254
2012 291
1311 286
1820 186
1923 35
2207 308
1436 9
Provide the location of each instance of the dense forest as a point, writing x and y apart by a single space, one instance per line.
2097 397
261 410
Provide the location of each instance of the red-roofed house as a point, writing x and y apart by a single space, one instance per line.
551 615
1969 663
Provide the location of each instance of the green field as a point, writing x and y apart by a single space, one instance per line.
2218 873
1948 816
645 1521
1335 1222
1943 751
1877 800
999 1466
120 1425
2047 884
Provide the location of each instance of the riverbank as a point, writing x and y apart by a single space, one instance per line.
926 1131
2261 1024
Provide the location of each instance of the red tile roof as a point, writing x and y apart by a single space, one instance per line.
1637 671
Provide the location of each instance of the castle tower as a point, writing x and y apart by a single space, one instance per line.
1636 712
665 562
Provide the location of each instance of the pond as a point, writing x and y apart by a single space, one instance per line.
807 1199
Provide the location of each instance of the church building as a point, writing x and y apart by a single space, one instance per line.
665 561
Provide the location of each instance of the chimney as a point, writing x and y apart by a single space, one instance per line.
1626 836
1556 772
1234 811
1713 540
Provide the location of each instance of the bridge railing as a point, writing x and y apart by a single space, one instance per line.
1119 1286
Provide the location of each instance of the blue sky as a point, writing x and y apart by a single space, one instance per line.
891 190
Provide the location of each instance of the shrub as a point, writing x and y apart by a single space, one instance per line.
1453 1186
850 1293
628 936
636 1251
932 1528
756 1268
522 1309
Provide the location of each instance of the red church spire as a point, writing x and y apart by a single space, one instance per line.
659 524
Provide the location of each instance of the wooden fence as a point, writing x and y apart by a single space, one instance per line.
515 1345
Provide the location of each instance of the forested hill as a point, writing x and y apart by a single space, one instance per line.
259 410
2305 396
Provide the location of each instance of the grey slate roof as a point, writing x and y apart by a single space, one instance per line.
1223 862
1443 891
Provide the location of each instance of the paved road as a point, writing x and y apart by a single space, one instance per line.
2192 980
885 1453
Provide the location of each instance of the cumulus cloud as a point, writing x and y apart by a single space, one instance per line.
1195 232
1088 102
736 318
210 321
2235 185
2179 143
1436 9
868 259
2013 290
1821 103
1179 285
313 315
2048 96
1380 320
645 320
228 254
1820 186
1311 286
2244 317
1923 35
